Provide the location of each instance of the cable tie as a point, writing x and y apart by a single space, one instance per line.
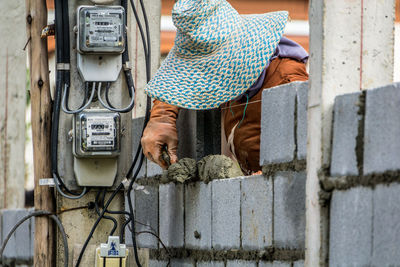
62 66
47 182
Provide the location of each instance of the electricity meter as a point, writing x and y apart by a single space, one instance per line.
101 29
96 133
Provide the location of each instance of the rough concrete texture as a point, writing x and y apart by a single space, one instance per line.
345 132
298 263
256 207
198 216
226 214
241 263
146 211
182 263
171 214
217 167
210 264
182 171
289 210
274 264
301 131
382 129
277 124
153 169
351 227
386 226
20 246
137 126
157 263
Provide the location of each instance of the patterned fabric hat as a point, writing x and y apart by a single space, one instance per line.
218 54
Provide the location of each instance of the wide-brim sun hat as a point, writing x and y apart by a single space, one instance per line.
218 54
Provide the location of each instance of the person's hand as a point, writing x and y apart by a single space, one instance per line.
161 134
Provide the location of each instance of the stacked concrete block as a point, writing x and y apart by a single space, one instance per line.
157 263
277 124
351 227
345 131
199 133
153 169
241 263
275 264
137 127
210 264
20 247
382 130
301 131
146 216
386 226
182 263
198 216
226 214
298 263
171 214
289 210
256 207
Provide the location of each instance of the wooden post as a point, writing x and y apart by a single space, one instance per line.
36 19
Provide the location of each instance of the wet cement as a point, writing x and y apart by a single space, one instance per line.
182 171
217 167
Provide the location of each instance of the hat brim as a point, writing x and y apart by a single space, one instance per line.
205 81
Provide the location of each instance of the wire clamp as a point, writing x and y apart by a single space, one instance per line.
62 66
47 182
127 65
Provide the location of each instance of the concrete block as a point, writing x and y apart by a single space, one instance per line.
171 214
277 124
345 132
386 225
256 207
241 263
301 131
382 130
137 126
289 210
298 263
351 227
274 264
199 133
198 216
153 169
157 263
225 223
182 263
20 246
146 215
210 264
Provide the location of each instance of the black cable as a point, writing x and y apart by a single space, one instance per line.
96 205
34 214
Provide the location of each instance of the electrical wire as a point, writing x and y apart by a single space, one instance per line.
110 107
64 102
35 214
96 205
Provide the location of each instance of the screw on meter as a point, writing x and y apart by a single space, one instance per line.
101 29
96 134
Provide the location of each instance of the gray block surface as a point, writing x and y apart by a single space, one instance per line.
153 169
210 264
289 210
298 263
301 132
256 206
382 130
241 263
182 263
351 227
226 213
157 263
137 126
277 124
146 212
274 264
198 215
20 246
171 214
386 225
345 132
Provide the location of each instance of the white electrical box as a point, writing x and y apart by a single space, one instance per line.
101 29
96 133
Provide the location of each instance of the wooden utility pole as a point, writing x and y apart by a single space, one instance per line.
36 19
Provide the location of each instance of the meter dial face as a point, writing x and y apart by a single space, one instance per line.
101 29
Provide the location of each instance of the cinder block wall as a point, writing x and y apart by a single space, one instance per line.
244 221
